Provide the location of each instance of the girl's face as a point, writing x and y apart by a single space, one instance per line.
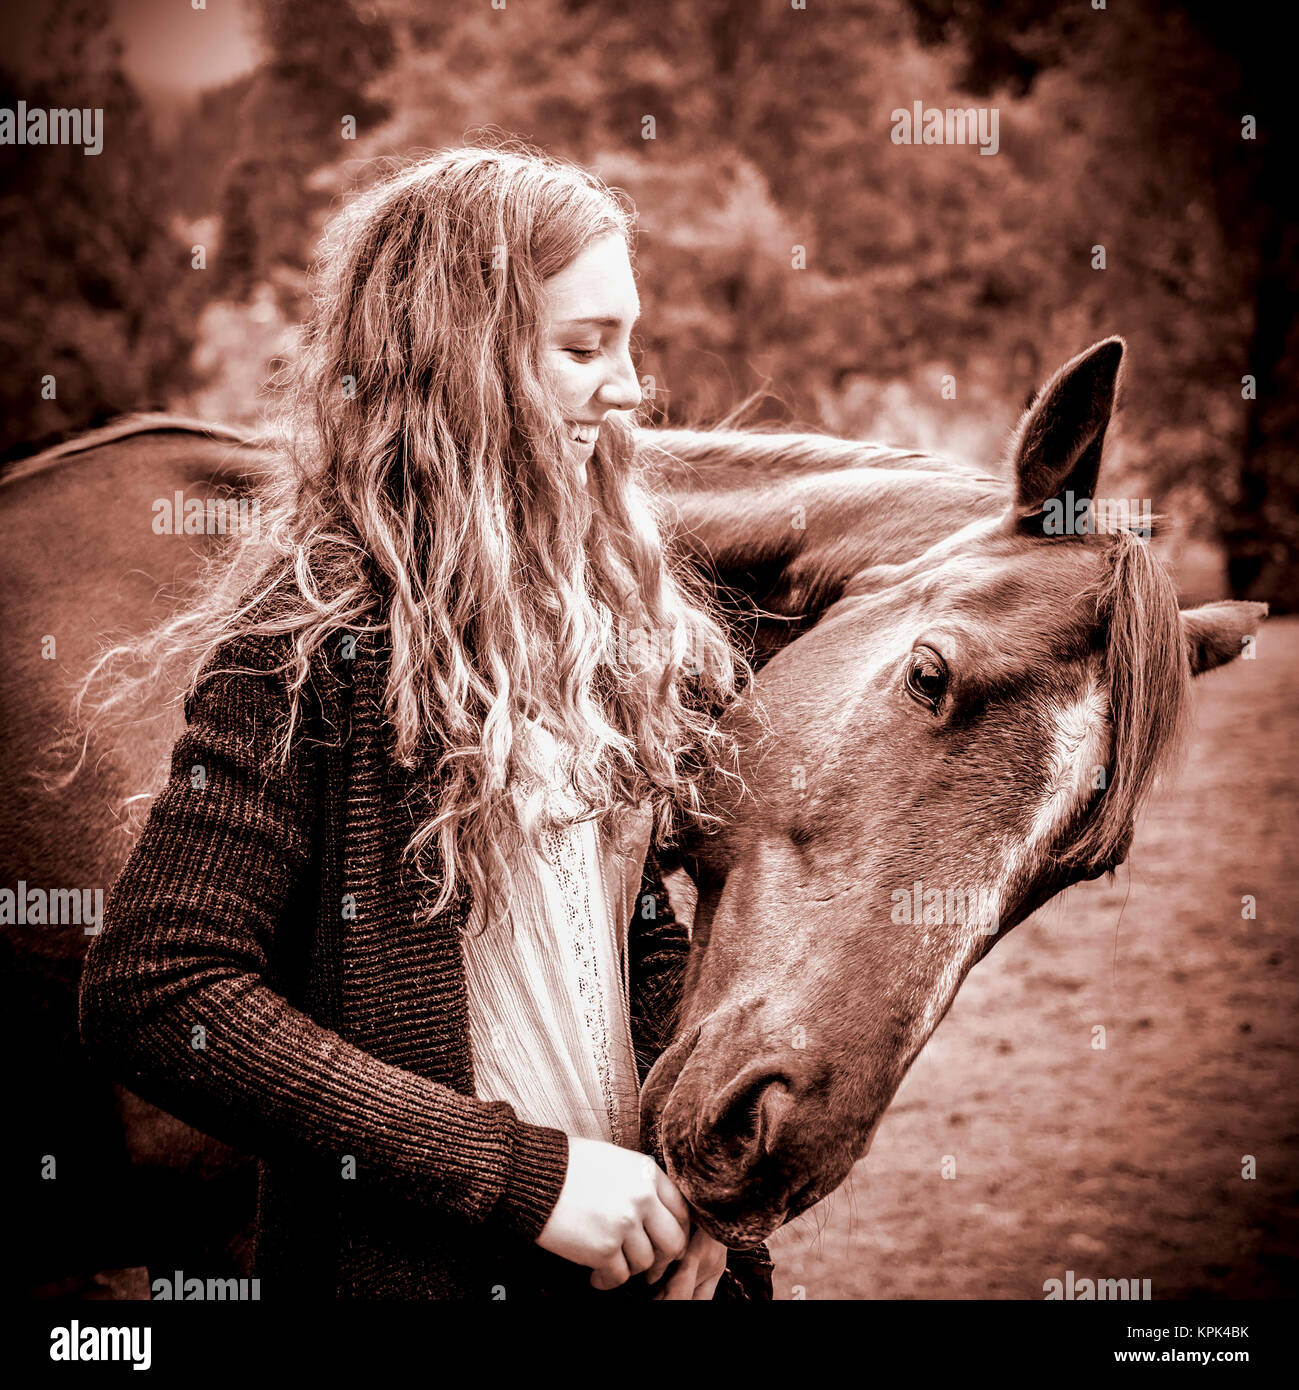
591 308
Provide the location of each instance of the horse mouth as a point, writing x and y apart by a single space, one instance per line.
803 1200
743 1230
739 1189
736 1227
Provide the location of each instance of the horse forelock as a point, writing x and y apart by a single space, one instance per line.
1147 680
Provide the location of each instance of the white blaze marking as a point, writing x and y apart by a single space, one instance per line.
1081 745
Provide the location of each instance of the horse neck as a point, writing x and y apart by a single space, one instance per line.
782 550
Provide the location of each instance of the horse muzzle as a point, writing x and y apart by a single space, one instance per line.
734 1145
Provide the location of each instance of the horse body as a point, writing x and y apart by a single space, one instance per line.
82 559
835 555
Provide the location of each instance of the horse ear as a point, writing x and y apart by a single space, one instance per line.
1057 445
1217 633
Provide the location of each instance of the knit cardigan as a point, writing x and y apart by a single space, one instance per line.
261 975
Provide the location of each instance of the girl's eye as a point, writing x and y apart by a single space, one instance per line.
583 354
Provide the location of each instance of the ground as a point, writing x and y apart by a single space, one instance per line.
1130 1160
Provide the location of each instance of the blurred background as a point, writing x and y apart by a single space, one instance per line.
916 294
1150 130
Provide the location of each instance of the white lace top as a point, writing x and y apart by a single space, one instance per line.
548 1008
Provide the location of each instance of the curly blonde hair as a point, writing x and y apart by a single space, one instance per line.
420 490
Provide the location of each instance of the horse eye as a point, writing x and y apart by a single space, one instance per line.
927 677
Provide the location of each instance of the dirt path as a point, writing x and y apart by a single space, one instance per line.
1124 1162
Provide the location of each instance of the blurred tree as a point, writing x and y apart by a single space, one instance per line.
97 294
1189 163
786 242
321 59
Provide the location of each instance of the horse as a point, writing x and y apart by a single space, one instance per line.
82 558
789 527
965 731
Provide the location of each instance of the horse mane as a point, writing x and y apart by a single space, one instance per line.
1149 682
729 476
727 459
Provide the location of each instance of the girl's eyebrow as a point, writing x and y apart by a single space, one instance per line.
597 322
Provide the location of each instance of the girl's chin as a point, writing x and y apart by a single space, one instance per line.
581 455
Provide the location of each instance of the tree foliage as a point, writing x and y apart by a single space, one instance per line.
787 244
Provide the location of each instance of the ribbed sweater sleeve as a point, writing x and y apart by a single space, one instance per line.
177 1003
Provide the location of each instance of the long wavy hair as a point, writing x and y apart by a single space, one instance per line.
421 491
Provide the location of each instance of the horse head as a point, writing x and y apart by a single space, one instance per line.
962 735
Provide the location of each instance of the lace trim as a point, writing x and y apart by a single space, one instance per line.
563 848
568 863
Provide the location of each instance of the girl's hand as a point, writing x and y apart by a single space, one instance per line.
618 1213
697 1272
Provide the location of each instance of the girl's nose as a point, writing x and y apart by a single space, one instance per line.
622 390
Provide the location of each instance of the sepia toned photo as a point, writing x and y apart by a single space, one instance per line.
650 658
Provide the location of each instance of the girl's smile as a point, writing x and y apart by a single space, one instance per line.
591 308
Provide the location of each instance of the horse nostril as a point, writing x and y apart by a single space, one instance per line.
750 1113
773 1110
